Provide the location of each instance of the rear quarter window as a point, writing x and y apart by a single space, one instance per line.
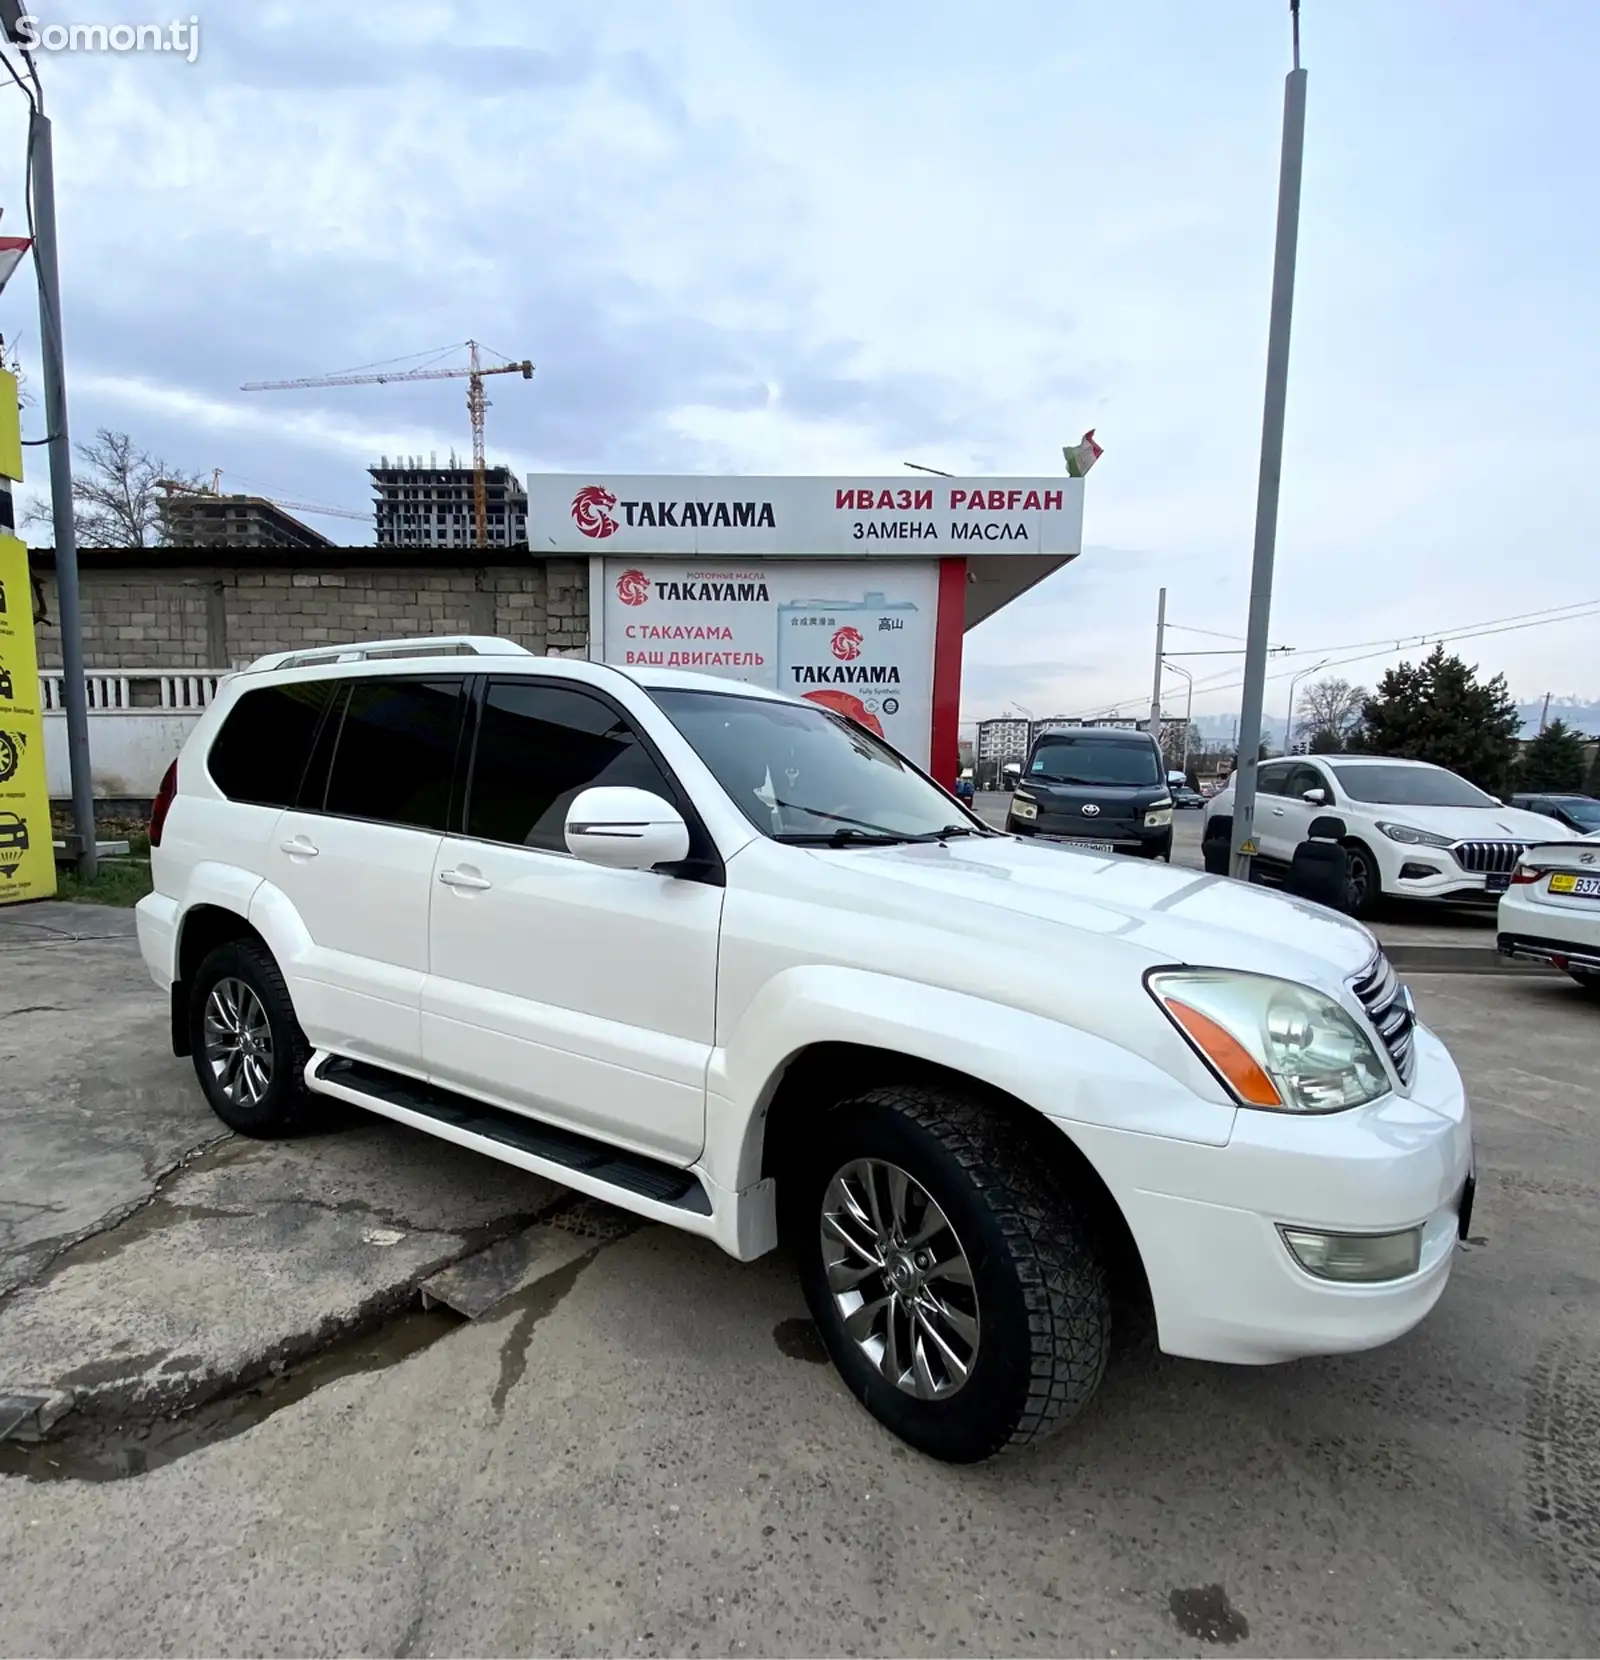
260 754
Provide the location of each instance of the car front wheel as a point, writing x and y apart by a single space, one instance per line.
957 1282
1364 887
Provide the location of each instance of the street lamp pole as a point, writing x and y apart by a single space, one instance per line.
1255 663
1188 714
1161 646
74 692
1294 680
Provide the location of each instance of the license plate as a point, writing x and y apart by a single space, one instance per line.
1092 847
1498 883
1581 887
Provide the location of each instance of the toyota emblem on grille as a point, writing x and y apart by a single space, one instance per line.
1090 810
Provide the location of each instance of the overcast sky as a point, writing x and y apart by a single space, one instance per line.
835 237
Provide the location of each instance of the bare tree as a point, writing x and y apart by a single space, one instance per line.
115 500
1330 711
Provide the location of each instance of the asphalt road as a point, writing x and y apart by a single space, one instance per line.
642 1454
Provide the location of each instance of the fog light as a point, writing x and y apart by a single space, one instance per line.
1361 1257
1414 871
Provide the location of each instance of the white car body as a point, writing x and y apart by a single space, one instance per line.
1476 850
659 1016
1540 922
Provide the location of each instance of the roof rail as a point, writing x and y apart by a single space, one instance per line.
360 651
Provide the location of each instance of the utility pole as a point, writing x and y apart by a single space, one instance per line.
1283 261
73 689
1161 646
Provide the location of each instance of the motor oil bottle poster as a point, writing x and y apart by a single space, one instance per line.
27 843
856 638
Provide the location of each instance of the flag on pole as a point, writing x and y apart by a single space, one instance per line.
12 248
1082 455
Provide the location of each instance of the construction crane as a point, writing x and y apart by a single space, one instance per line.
215 489
477 403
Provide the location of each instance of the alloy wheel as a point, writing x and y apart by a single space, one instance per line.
900 1279
238 1041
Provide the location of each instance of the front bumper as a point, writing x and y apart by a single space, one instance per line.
1068 828
1206 1219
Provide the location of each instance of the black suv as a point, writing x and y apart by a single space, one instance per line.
1097 787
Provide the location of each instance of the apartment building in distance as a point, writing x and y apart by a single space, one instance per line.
421 505
203 520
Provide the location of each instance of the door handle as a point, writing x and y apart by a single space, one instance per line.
464 879
1277 812
297 847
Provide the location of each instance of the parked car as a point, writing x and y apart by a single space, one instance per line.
1185 799
722 958
964 787
1578 812
1551 911
1103 789
1412 830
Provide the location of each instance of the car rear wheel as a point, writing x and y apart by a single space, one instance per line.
249 1052
958 1284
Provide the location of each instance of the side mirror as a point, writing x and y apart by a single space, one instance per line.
625 829
1316 797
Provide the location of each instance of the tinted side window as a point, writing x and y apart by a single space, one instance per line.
538 746
260 754
1270 780
1303 779
395 757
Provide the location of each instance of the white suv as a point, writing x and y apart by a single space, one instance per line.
1412 830
727 960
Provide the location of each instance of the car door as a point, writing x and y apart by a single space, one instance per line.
1292 813
1270 831
354 860
578 994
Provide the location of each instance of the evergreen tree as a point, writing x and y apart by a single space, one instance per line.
1553 761
1439 711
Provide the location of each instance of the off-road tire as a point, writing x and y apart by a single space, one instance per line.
1036 1253
285 1108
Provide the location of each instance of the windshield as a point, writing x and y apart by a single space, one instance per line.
1410 787
1072 758
802 773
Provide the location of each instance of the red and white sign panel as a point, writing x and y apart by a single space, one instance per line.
719 516
852 638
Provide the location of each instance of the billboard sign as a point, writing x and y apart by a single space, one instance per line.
718 516
855 639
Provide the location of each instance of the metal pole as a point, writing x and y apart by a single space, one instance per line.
73 689
1188 713
1255 663
1155 689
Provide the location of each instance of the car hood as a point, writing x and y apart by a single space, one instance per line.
1480 824
1003 889
1106 794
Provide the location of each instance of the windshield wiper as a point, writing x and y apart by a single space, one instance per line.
845 836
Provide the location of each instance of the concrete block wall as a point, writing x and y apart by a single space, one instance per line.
182 617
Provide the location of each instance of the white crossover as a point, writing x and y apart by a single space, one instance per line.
1551 911
1412 830
729 961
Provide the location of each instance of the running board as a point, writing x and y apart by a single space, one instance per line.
628 1179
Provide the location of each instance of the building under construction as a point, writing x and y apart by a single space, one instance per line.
202 520
422 505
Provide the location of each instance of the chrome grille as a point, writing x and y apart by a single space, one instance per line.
1389 1009
1491 858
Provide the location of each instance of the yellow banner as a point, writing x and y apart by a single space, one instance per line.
27 841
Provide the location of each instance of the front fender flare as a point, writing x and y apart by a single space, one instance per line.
1066 1074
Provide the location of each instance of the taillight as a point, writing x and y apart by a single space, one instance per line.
1524 875
163 804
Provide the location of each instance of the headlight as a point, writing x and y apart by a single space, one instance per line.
1274 1044
1413 838
1023 806
1155 817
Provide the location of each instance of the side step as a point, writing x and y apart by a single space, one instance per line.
591 1166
